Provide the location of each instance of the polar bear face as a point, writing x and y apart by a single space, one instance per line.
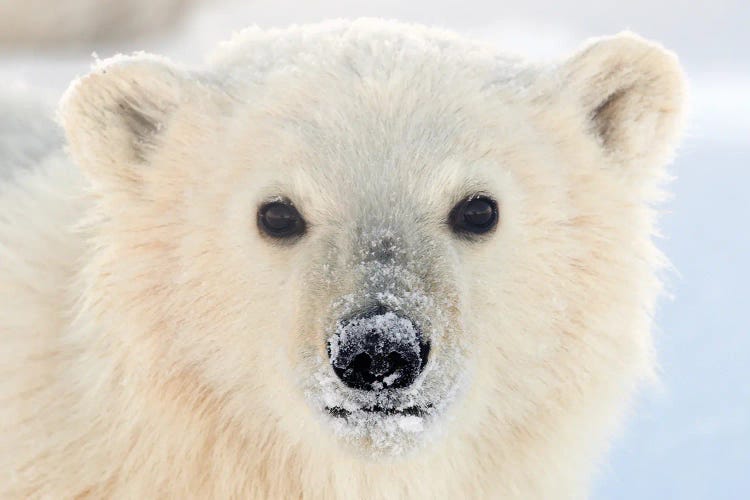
375 237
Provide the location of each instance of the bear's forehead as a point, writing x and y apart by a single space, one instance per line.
388 115
367 48
368 103
385 136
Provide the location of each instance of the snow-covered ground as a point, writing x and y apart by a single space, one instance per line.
690 439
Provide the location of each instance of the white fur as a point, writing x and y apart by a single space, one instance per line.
154 343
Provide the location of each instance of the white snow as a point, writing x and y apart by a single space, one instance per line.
387 381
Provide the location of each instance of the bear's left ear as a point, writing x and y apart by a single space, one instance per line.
633 94
115 116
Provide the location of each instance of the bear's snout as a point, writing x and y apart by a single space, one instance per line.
378 350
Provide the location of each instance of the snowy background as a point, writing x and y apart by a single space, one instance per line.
690 438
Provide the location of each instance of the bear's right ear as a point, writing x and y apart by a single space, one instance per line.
114 117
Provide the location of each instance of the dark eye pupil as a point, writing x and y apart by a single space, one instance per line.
280 220
478 213
475 215
279 217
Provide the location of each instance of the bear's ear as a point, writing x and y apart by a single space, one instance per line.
633 95
114 117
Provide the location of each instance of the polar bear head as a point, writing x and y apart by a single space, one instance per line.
380 238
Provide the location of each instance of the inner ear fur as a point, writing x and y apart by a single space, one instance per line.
114 116
632 93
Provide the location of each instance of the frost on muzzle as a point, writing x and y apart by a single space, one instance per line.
378 350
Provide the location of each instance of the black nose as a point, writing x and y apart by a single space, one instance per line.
378 350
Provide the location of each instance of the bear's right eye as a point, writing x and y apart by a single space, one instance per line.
279 219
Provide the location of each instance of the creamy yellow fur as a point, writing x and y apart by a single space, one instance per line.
153 344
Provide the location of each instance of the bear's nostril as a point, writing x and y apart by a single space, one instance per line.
395 362
361 363
378 351
368 373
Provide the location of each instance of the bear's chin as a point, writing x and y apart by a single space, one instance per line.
381 433
387 422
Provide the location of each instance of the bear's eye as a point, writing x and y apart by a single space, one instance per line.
476 214
280 219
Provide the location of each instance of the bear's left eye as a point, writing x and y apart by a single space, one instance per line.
279 219
474 215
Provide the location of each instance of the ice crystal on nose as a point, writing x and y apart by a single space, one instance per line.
387 328
378 351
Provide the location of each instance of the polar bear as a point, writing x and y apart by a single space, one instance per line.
357 259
